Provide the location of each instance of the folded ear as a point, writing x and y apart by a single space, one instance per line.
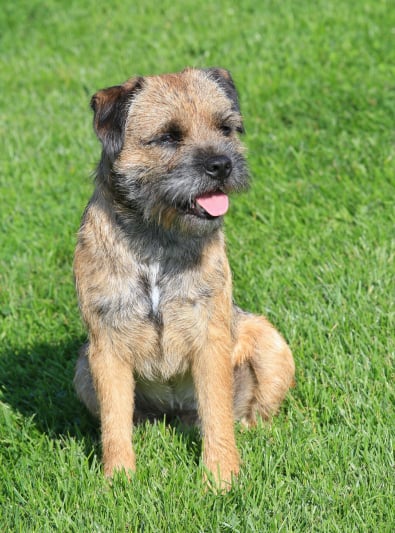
110 107
225 81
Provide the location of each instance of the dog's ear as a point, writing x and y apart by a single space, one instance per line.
225 81
110 107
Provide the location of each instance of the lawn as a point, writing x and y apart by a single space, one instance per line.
311 245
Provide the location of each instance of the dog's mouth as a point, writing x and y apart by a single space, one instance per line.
210 205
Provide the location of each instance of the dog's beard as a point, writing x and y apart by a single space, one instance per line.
183 199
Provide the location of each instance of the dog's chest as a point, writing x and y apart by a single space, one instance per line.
166 293
174 316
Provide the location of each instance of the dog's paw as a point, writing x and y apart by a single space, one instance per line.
220 475
120 463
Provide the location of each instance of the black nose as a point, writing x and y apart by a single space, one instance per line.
218 166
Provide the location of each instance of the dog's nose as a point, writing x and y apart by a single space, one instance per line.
218 166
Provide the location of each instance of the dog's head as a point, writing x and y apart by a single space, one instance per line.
171 148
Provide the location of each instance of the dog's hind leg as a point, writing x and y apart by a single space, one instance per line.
264 368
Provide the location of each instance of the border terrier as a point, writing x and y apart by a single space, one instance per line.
153 279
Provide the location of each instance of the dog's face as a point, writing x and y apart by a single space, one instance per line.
171 150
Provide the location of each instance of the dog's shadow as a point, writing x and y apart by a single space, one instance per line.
37 383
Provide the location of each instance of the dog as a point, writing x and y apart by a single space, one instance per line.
152 275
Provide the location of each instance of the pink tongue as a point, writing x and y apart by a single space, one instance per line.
216 203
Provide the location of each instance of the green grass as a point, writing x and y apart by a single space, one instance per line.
311 245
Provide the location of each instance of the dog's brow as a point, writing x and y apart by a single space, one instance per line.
230 120
171 126
220 118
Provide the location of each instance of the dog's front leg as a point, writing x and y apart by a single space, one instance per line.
213 380
114 384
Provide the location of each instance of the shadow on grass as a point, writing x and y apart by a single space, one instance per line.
38 382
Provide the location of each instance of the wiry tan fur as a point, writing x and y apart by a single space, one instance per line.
154 284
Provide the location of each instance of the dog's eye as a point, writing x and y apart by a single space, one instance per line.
170 137
226 130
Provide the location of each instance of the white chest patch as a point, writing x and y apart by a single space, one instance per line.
154 286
